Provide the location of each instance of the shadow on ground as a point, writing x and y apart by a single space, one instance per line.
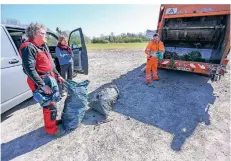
176 103
24 144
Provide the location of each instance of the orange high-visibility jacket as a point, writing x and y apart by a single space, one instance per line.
154 47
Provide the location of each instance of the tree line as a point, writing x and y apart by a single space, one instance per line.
122 38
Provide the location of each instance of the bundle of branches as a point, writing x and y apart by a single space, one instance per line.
172 55
193 56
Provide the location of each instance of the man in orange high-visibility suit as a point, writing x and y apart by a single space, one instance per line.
154 47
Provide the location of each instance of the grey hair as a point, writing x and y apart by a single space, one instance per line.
61 38
33 29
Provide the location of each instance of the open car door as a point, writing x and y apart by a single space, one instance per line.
77 43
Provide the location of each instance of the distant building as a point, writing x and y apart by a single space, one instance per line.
150 33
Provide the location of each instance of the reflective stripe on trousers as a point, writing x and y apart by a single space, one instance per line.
154 73
152 64
148 77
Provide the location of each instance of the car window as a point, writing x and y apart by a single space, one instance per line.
75 39
18 38
24 37
51 40
7 49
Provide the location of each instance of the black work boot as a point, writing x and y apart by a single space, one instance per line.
58 122
60 132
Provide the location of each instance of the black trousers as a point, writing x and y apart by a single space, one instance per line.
66 73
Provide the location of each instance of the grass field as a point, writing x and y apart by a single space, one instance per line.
127 46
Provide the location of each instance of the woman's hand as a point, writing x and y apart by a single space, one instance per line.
61 79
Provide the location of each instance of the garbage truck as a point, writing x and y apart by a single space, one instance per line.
196 38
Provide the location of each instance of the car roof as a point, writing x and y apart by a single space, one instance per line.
21 27
14 26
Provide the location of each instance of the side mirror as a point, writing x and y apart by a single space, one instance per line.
74 46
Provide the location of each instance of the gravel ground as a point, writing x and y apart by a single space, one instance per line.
183 116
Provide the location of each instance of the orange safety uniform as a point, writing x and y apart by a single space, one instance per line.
152 61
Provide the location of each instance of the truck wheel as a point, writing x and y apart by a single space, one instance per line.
216 77
212 77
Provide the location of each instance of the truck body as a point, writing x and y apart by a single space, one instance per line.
196 38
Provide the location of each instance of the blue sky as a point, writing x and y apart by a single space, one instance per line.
94 19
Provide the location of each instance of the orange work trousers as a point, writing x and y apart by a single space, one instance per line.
152 64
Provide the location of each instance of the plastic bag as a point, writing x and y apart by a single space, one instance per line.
44 99
159 55
104 100
75 104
